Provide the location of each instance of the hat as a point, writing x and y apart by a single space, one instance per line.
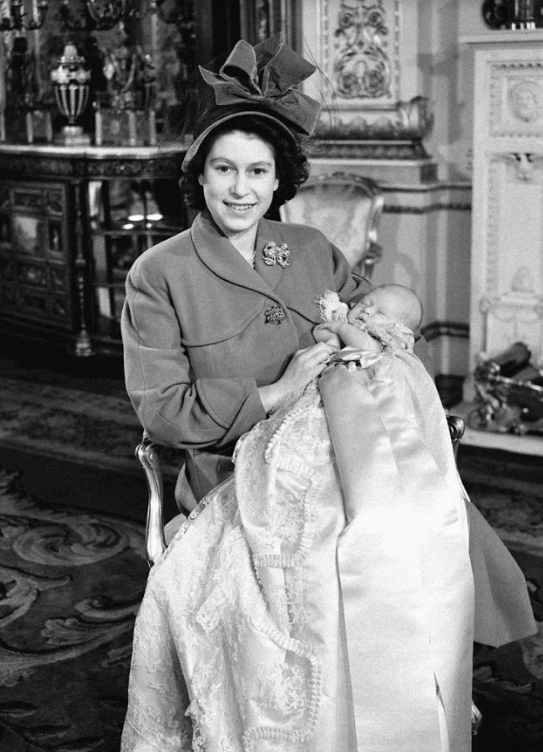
259 81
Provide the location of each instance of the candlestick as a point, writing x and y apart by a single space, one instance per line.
132 139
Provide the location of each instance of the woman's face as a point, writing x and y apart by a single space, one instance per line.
238 181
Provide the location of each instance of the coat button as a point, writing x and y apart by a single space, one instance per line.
274 315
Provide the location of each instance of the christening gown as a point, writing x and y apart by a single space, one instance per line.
322 598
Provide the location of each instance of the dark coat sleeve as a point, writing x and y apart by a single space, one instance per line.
173 408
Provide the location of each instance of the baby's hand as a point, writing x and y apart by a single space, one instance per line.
328 333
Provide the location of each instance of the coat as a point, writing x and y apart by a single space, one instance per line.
198 340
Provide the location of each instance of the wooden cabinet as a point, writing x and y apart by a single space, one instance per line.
72 221
35 274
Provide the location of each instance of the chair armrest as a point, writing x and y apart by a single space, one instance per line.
147 454
456 430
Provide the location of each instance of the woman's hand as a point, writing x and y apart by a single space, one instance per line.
303 367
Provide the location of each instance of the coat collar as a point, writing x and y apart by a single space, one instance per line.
218 254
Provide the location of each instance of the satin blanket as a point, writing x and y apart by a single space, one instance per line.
321 599
407 533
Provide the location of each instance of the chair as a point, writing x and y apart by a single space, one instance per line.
347 208
149 456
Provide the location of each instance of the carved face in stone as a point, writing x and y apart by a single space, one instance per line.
525 101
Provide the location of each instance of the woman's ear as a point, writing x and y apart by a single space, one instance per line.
201 178
276 184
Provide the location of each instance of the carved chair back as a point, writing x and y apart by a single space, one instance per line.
347 208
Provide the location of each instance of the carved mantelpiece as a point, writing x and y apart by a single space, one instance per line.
507 220
371 108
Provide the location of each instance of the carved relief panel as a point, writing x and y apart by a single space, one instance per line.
516 99
366 53
363 51
512 301
507 232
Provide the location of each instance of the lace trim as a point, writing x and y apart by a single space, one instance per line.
274 454
331 308
392 336
302 733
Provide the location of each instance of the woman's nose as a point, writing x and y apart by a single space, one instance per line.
239 185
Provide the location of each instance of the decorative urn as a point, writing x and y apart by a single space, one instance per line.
71 87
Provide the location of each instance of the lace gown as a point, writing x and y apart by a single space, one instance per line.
321 599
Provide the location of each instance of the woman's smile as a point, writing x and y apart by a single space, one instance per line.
239 207
239 180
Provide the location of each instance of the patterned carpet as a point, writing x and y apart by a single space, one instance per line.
70 585
508 681
71 579
69 423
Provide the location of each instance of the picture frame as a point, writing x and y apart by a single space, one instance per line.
27 234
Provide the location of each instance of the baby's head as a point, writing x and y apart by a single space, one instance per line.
386 303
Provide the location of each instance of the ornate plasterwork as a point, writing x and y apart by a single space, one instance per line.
359 146
512 300
363 67
359 56
406 121
516 99
363 42
504 170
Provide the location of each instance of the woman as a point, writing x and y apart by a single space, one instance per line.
257 631
218 320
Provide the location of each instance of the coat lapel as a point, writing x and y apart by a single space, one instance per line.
222 258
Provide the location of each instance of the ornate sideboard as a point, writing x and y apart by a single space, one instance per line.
72 221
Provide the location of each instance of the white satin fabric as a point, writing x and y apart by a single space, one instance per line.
409 618
289 615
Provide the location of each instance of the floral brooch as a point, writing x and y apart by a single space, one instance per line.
276 254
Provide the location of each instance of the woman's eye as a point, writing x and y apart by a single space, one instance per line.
223 168
259 171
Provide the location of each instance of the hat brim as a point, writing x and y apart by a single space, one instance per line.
194 147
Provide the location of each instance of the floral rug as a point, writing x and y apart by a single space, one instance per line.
508 490
508 681
70 586
71 423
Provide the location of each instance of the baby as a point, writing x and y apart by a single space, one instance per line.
383 320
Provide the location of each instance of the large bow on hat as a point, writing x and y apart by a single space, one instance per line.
266 75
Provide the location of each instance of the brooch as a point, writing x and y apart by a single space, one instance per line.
276 254
274 315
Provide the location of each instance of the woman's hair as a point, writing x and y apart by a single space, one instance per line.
291 164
